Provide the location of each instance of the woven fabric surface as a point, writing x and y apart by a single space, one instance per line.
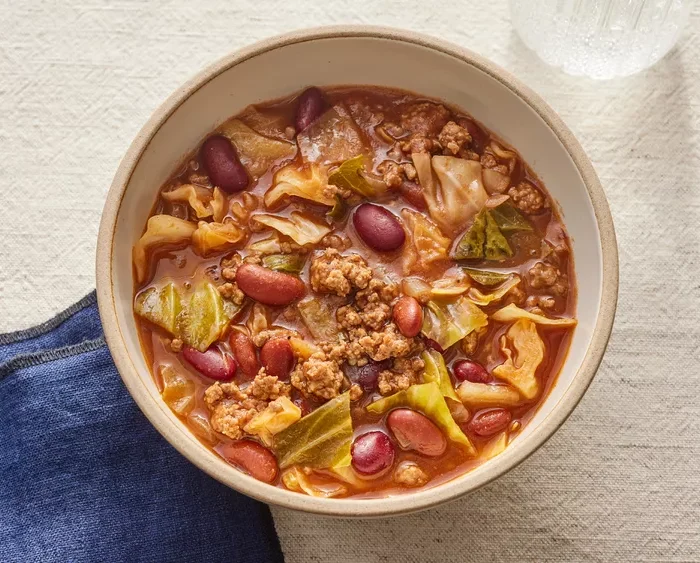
619 481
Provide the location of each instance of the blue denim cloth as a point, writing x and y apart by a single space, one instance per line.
85 477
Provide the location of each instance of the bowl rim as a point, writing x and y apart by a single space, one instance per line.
384 506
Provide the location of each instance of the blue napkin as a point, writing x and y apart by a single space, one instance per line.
85 477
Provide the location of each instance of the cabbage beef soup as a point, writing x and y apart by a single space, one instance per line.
354 292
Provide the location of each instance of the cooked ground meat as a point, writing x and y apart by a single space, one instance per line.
542 302
332 272
403 373
318 376
339 242
232 407
409 474
276 332
230 291
453 138
424 117
379 345
543 275
516 295
527 198
355 392
176 345
373 303
229 266
392 173
420 143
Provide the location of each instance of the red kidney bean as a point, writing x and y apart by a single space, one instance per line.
365 376
268 286
310 108
251 457
414 431
408 316
378 227
413 194
277 357
212 364
488 422
469 370
430 343
244 353
372 453
223 165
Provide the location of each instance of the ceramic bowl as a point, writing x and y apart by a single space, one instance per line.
360 55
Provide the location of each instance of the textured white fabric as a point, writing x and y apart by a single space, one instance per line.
620 480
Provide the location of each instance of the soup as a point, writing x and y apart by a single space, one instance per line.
354 292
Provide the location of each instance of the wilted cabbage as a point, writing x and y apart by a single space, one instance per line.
513 313
332 138
160 230
161 306
351 175
449 322
510 157
219 205
278 415
456 195
198 197
178 391
206 317
307 183
483 395
295 479
217 237
524 351
297 227
425 243
483 299
257 152
494 181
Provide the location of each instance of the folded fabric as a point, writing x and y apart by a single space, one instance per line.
85 477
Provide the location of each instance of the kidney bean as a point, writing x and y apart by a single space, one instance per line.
378 227
486 423
244 353
430 343
251 457
223 165
413 431
469 370
372 453
310 108
268 286
365 376
408 316
413 194
277 357
212 364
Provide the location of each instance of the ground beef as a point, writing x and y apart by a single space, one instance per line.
232 408
318 376
403 373
267 334
339 242
541 302
515 295
420 143
395 174
378 345
527 198
425 117
373 302
176 345
230 291
547 276
409 474
489 161
355 392
453 138
333 273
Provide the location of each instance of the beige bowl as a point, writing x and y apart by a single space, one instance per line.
360 55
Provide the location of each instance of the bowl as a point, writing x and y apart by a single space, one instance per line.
365 56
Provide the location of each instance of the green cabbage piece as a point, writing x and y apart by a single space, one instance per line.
297 227
340 209
496 246
206 317
308 183
334 137
290 263
428 399
321 439
318 314
483 239
348 176
257 152
160 306
509 219
447 322
436 371
484 299
486 277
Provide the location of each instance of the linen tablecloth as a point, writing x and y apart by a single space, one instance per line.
619 482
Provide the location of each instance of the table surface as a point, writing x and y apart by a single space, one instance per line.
619 481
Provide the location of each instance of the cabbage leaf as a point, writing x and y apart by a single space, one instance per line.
512 312
320 439
427 244
448 322
297 227
509 219
257 152
198 197
295 479
178 391
428 399
348 176
496 246
484 299
332 138
483 239
217 237
494 446
456 195
436 370
307 183
160 230
524 351
160 306
277 416
486 277
318 314
483 395
206 317
290 263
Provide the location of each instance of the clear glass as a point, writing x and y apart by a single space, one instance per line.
600 38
